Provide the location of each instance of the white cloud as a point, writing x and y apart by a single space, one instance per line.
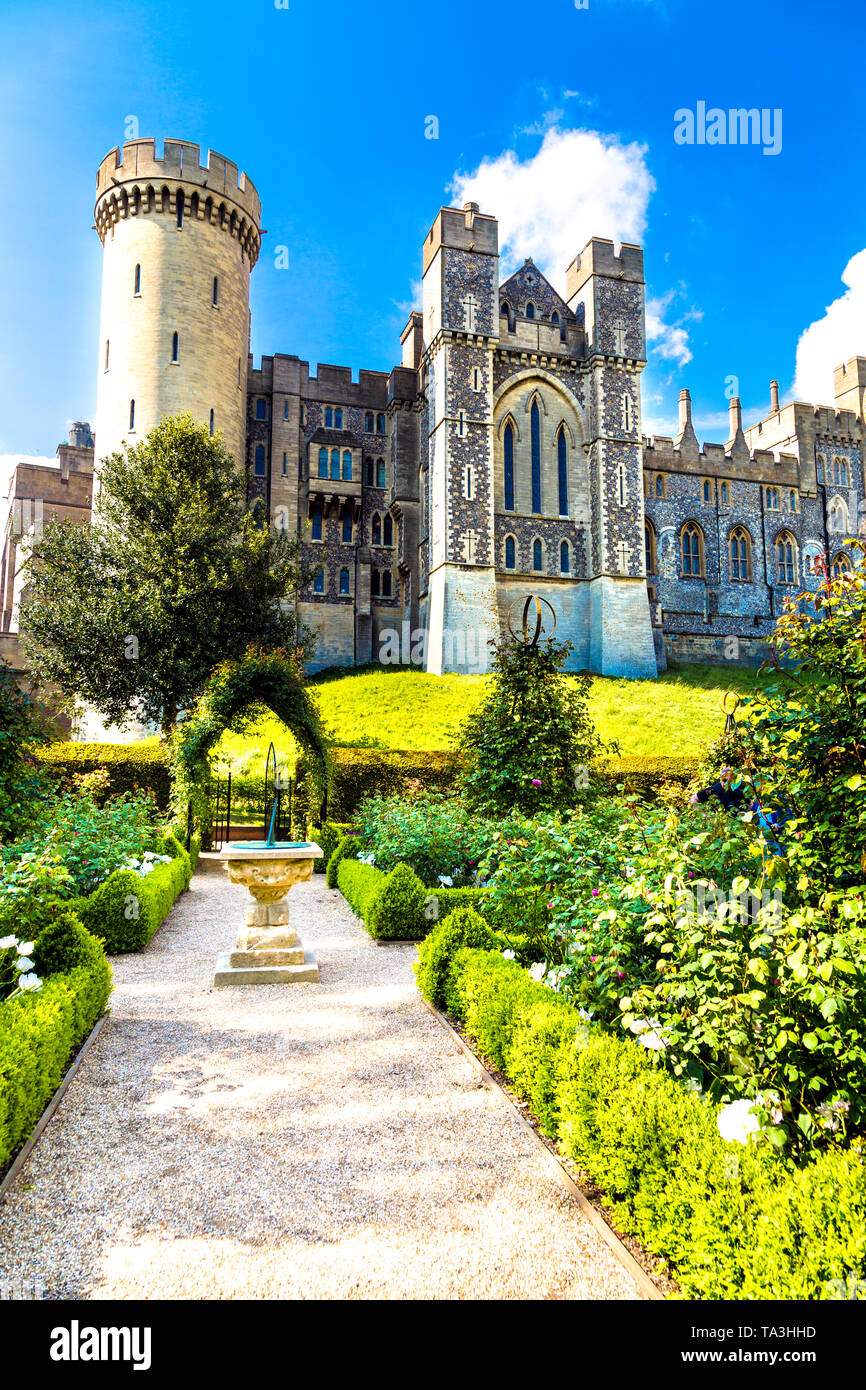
840 334
668 340
579 184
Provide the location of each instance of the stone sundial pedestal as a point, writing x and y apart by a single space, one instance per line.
268 950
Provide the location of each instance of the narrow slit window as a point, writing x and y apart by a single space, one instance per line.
137 280
537 555
180 209
132 415
107 346
211 424
175 347
216 291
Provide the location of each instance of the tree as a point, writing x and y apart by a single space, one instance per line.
173 576
530 744
22 785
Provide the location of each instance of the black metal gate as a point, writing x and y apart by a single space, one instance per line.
245 811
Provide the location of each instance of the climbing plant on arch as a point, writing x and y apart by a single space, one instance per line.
261 677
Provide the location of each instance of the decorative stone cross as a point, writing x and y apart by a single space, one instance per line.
470 540
623 555
619 339
470 305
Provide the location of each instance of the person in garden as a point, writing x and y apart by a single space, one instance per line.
729 790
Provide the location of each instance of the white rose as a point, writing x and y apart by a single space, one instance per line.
24 949
24 963
509 955
538 971
30 983
8 942
738 1121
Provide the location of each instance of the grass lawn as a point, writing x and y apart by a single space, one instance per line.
393 707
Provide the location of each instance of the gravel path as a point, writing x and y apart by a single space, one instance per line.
301 1141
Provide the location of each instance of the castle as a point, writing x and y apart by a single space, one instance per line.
502 455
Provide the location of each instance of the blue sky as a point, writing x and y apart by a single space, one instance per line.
565 116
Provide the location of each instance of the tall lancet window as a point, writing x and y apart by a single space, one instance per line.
509 468
535 418
562 460
621 484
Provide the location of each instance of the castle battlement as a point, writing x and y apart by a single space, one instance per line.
661 455
137 161
598 257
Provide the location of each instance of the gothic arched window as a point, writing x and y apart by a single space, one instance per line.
537 555
388 531
380 472
530 310
692 549
785 558
344 581
508 442
535 418
323 463
837 518
369 423
380 424
649 545
335 463
259 461
660 485
840 566
347 465
338 419
377 529
261 409
316 520
554 317
319 582
510 553
565 558
562 470
741 554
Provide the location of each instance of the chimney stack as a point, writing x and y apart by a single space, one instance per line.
774 396
735 414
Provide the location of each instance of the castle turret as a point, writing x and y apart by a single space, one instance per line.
461 330
849 382
180 238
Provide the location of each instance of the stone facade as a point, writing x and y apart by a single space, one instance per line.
503 455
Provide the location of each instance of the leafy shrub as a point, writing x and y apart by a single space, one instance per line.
126 911
39 1031
462 927
734 1221
437 838
131 767
346 849
91 840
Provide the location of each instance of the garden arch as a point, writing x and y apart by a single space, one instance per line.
271 678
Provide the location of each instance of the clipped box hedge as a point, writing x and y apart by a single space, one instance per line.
732 1221
127 909
131 767
645 775
327 837
398 907
360 772
39 1032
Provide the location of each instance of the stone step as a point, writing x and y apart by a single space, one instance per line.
225 975
241 960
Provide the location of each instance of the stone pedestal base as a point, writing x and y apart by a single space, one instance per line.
268 950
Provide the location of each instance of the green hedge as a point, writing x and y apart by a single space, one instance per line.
360 772
38 1032
327 837
645 774
734 1222
346 849
398 907
126 910
130 766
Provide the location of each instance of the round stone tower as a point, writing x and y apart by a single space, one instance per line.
180 239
